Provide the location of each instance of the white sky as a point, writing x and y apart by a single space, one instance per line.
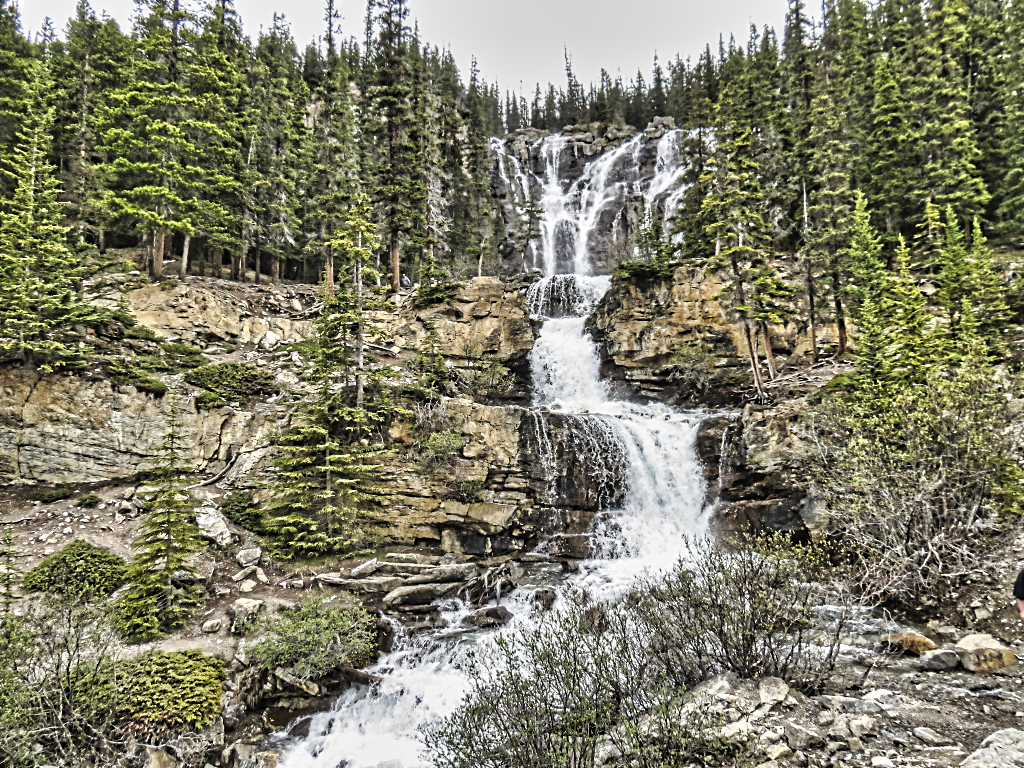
519 41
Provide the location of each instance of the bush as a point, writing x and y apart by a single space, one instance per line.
552 693
159 693
317 639
127 372
233 382
692 364
752 610
88 501
210 400
439 449
78 569
239 507
912 478
140 332
49 497
182 356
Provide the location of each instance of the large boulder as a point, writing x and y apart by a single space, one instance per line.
213 526
1004 749
983 653
243 613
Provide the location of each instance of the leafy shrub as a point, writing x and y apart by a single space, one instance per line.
645 270
88 501
78 569
141 332
466 491
49 497
440 448
127 372
182 355
316 639
233 382
692 364
209 401
552 693
752 610
240 508
159 693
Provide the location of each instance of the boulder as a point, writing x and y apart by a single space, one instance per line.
941 660
911 642
213 625
368 586
289 678
928 736
366 569
419 594
1003 748
445 574
772 690
244 573
249 557
213 526
544 597
157 758
243 613
489 617
799 737
269 340
269 759
983 653
247 586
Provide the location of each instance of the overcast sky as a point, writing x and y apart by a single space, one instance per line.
517 41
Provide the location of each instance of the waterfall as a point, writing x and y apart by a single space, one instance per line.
650 449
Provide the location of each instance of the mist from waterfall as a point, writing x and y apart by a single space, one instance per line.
652 447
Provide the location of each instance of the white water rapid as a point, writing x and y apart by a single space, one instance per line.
651 447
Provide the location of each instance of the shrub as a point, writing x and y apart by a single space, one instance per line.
911 478
88 501
439 449
209 401
160 692
316 639
78 569
752 610
239 507
127 372
182 355
233 382
140 332
692 364
49 497
553 692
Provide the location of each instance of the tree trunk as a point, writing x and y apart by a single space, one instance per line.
841 324
257 258
156 270
754 367
769 356
183 273
275 268
396 277
814 323
358 277
103 240
217 264
201 258
329 271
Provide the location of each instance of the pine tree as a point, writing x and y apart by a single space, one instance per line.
1011 208
16 62
9 575
989 305
889 183
39 297
155 602
912 347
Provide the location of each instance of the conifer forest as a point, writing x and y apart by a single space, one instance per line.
357 410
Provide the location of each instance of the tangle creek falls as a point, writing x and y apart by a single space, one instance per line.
640 459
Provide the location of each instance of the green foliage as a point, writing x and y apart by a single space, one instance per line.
439 449
9 576
466 491
182 355
79 569
209 401
316 638
88 501
127 372
436 286
692 364
141 332
49 497
240 508
160 693
232 382
431 363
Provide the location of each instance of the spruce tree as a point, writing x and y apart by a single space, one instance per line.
1011 208
16 63
155 602
912 346
39 295
890 178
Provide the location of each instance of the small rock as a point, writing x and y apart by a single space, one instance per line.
1003 748
243 613
261 577
881 761
799 737
157 758
544 597
983 653
286 676
778 752
982 614
247 557
912 642
268 759
366 569
244 573
863 726
489 617
247 586
213 526
855 744
772 690
269 340
213 625
940 660
929 736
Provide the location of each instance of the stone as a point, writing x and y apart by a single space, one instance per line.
778 752
366 569
248 557
940 660
419 594
929 736
288 677
911 642
801 738
157 758
368 586
854 744
1003 748
213 625
213 526
269 340
544 597
269 759
983 653
261 577
244 573
881 761
444 574
864 725
247 586
243 613
982 614
489 617
772 690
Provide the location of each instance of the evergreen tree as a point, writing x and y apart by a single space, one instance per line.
39 296
155 602
889 182
9 575
912 347
1011 208
16 61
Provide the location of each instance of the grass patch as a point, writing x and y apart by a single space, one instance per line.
78 569
88 501
49 497
233 382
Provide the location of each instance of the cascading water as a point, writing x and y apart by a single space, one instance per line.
652 448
